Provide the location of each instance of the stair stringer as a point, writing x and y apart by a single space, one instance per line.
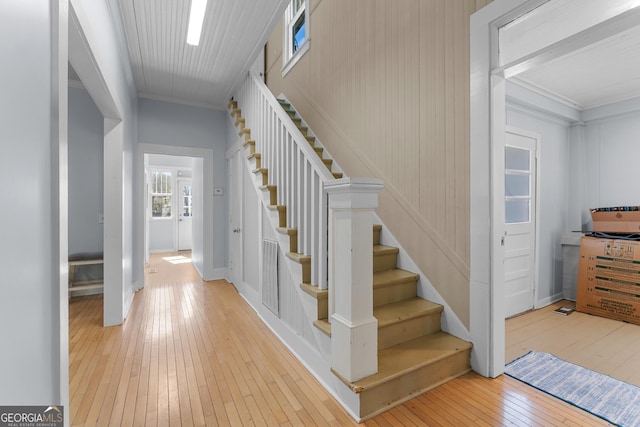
315 356
310 132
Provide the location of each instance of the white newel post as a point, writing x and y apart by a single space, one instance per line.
354 330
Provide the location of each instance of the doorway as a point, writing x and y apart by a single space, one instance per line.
169 203
520 201
550 38
185 213
201 199
235 217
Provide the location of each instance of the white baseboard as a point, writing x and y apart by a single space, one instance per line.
216 274
549 300
128 300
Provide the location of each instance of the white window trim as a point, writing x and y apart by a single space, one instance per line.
173 172
289 58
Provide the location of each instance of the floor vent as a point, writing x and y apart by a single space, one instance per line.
270 276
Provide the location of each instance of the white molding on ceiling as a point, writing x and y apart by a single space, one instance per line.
547 94
169 99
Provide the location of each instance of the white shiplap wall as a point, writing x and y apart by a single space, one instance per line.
385 86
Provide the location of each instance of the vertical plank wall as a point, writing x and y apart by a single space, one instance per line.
385 87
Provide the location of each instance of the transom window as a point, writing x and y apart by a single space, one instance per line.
296 33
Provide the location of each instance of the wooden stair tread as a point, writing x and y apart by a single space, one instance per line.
404 310
315 291
299 258
277 208
324 326
255 156
263 171
286 230
404 358
393 277
395 312
267 187
383 250
337 175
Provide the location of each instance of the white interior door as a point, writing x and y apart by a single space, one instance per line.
185 214
235 217
520 224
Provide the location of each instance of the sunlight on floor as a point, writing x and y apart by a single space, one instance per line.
177 259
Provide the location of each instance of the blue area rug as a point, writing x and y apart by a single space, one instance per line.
612 400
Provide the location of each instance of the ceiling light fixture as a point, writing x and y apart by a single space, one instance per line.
196 17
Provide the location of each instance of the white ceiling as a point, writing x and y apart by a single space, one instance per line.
602 73
165 67
585 53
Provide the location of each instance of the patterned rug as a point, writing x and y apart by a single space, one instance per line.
612 400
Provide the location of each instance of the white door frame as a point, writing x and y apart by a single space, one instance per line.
487 130
236 174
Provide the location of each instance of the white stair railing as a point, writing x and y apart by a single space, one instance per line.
293 167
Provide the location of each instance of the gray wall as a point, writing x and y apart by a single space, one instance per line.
587 160
178 125
30 332
613 175
86 160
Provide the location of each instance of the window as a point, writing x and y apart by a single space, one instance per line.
296 33
517 185
187 200
161 194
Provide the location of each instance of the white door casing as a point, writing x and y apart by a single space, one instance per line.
184 214
520 221
235 217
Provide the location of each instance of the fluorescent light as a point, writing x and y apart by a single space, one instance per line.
196 17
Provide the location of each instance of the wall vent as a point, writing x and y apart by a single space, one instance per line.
270 294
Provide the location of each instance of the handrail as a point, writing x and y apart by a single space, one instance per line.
293 167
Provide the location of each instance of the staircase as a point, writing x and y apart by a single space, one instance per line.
414 355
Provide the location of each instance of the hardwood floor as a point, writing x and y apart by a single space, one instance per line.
194 353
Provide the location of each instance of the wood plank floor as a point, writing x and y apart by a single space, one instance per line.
193 353
607 346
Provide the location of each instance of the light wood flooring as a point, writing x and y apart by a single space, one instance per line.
604 345
194 353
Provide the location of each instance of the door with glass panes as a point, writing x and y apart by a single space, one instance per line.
184 214
520 224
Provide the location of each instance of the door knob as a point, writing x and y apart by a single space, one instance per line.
236 230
